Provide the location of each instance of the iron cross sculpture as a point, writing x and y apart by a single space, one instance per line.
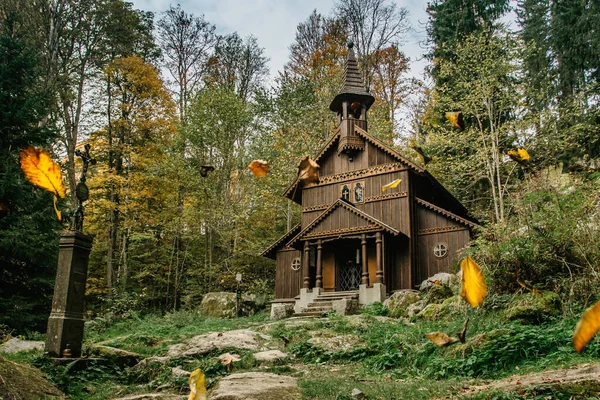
81 190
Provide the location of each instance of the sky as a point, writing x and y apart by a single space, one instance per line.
274 22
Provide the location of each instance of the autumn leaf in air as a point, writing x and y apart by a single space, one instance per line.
259 168
587 327
520 155
473 285
197 388
43 172
455 119
391 185
308 171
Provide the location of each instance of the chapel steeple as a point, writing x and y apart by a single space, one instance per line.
351 106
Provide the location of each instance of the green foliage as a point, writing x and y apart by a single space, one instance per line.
550 239
28 226
375 309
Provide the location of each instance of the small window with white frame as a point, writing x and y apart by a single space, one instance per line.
440 250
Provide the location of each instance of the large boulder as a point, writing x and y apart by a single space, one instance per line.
399 301
415 308
20 381
282 310
223 305
533 308
451 306
243 339
438 293
256 386
442 278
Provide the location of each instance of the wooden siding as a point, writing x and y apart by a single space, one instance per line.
287 281
332 164
435 228
328 270
397 268
390 207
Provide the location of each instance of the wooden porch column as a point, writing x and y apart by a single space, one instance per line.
305 266
379 273
365 266
319 278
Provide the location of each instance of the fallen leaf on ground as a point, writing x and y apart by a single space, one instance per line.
440 339
228 359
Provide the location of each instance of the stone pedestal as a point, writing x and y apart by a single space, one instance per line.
368 295
65 325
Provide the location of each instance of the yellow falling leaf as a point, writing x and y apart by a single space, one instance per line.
587 327
42 171
520 155
440 339
391 185
259 168
197 388
56 210
473 285
455 118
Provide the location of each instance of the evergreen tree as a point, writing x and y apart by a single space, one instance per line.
28 226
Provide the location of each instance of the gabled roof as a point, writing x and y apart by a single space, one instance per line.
446 213
294 193
341 203
270 251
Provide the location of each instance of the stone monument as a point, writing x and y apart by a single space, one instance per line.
65 325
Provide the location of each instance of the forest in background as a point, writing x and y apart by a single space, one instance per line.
158 97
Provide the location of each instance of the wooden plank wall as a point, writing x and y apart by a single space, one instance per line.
393 211
332 164
429 265
287 281
398 263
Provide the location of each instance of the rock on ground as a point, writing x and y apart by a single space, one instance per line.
24 382
328 341
15 345
154 396
119 356
223 305
270 356
244 339
443 278
399 301
534 307
256 386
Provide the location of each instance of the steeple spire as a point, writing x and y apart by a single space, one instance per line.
353 86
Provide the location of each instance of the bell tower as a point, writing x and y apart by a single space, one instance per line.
351 106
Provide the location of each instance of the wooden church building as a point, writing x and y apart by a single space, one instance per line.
372 223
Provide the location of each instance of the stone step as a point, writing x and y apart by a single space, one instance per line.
317 308
332 298
322 302
314 314
345 293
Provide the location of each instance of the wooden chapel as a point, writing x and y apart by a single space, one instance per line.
355 239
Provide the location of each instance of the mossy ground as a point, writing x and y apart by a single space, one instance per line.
393 360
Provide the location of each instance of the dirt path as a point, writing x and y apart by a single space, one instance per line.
577 374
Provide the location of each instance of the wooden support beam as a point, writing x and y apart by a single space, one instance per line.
319 277
379 273
365 266
305 266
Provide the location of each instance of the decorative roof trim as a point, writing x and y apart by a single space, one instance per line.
381 146
336 204
447 213
289 233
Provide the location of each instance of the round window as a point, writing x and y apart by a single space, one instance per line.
296 264
440 250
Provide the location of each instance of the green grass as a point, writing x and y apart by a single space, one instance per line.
392 360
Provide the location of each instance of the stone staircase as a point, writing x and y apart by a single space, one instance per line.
324 303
